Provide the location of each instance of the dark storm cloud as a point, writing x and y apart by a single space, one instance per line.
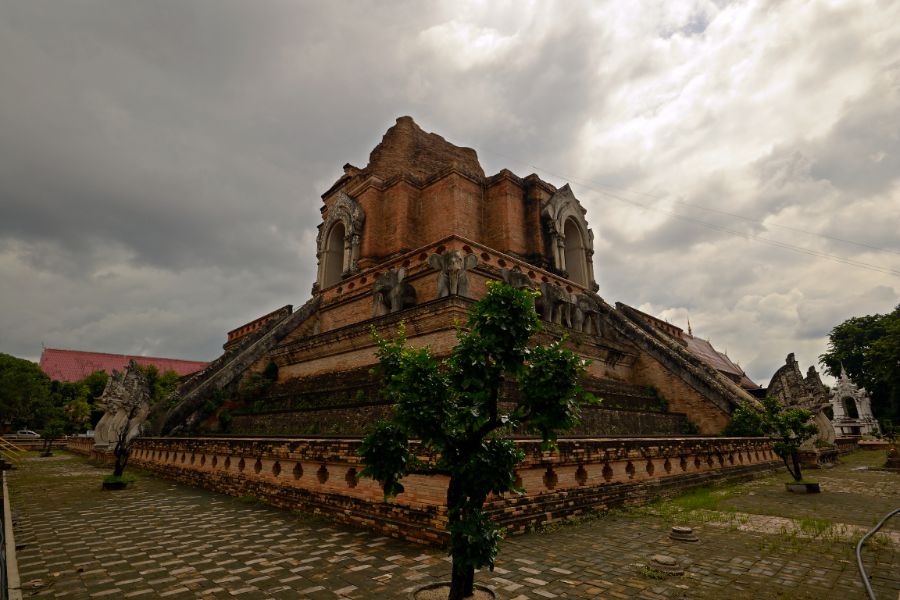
183 132
161 162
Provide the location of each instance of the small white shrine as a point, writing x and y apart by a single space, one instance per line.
852 408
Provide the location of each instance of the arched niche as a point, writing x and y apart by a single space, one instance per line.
333 255
576 253
337 245
563 216
850 409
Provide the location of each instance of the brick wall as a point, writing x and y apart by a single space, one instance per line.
82 446
354 418
681 397
845 445
321 476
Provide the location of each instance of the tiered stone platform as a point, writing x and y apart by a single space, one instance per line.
322 476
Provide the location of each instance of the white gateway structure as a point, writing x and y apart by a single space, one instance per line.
852 408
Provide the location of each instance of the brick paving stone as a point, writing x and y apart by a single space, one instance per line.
158 539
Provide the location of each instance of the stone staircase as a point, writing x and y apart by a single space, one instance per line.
225 370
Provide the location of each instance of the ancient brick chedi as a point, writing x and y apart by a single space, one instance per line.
414 236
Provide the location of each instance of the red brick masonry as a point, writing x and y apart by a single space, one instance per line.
321 476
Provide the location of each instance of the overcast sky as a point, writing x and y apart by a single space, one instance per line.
161 162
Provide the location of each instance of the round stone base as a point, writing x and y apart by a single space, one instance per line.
665 564
681 533
441 589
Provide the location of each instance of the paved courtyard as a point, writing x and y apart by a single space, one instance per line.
159 539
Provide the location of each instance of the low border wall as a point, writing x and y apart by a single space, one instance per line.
845 445
11 580
322 476
83 446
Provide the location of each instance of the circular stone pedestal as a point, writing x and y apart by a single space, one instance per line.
440 591
665 564
683 533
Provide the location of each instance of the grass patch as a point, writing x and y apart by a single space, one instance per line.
557 524
699 505
864 458
652 573
814 527
704 498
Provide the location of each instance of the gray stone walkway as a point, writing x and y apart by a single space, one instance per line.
158 539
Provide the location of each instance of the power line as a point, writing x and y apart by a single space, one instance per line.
768 241
789 228
742 217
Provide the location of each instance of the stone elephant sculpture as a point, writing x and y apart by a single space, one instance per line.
554 304
517 279
390 293
453 278
585 313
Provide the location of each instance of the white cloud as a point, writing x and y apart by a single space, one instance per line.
162 171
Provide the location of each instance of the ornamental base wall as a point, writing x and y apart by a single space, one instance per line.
321 476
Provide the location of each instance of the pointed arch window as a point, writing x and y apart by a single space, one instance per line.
339 240
570 241
333 256
576 253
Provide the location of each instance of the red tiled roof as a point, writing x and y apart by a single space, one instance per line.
702 349
72 365
719 361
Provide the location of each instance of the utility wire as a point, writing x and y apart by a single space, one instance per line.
742 217
789 228
594 186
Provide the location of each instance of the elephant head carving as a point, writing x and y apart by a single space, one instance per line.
453 278
586 313
391 293
555 305
517 279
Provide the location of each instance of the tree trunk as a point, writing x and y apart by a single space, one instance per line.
469 584
121 453
462 578
461 581
795 457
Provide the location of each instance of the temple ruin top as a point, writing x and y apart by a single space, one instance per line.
418 189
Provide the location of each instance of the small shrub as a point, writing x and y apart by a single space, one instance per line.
225 420
690 428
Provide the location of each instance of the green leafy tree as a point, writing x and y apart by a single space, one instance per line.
52 431
746 421
68 399
24 393
161 384
790 427
96 383
869 349
77 415
453 408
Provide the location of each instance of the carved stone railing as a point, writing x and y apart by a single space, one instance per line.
322 476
